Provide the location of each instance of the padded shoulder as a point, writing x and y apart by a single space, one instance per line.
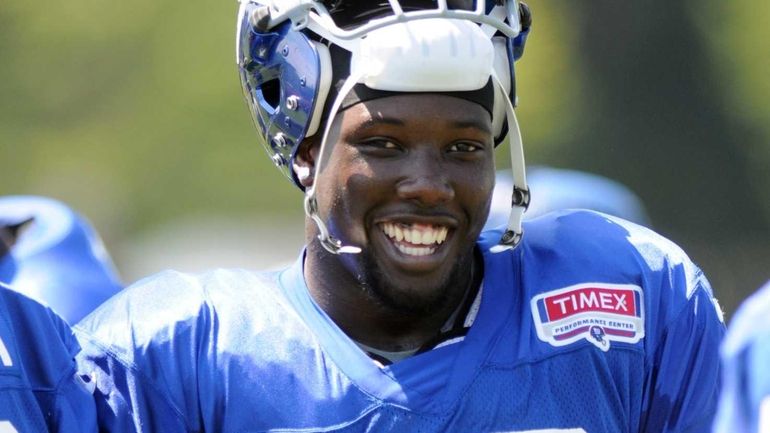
169 306
576 247
609 248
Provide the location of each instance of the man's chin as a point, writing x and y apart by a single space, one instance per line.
409 293
410 300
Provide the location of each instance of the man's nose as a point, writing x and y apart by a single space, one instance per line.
426 181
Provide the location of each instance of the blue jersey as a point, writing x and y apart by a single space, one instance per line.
744 405
591 325
39 387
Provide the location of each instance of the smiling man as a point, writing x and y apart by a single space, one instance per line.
401 315
415 201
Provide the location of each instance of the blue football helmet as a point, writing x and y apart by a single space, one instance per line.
54 256
283 52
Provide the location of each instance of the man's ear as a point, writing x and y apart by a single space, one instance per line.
305 159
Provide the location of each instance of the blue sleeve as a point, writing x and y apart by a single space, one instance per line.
126 401
43 353
144 349
682 382
73 407
69 407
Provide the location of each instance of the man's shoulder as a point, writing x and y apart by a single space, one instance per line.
585 232
174 306
179 341
572 248
583 276
588 237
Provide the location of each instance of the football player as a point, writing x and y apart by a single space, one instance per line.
39 387
401 315
56 257
744 406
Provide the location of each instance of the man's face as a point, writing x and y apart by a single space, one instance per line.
409 180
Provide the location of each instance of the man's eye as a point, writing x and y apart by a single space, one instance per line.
464 147
381 143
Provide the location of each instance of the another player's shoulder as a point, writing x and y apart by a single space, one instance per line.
17 305
39 387
750 324
36 328
745 400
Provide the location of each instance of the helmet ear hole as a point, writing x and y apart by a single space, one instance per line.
271 92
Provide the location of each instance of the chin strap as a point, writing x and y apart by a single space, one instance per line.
329 242
520 196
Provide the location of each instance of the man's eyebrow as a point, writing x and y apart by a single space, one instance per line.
457 124
463 124
378 120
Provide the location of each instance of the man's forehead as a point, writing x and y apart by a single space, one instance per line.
403 109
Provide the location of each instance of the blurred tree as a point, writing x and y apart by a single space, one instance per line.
656 120
130 112
736 33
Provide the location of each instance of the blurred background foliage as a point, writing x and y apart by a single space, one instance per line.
131 112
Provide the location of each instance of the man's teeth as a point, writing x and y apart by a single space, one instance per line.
416 234
415 251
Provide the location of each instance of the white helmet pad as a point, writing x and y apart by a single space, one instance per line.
430 55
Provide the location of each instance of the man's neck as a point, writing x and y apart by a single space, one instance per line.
362 317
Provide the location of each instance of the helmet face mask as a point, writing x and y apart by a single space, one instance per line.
350 13
398 46
281 76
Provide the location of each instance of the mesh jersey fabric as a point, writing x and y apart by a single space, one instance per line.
39 388
238 351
